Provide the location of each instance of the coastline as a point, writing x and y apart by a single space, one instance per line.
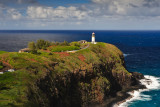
127 95
150 83
133 93
121 96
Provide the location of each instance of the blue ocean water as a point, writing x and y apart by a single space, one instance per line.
141 48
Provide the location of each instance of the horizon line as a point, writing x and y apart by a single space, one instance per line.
79 29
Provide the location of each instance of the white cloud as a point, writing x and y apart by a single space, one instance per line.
13 14
6 2
59 13
128 7
94 14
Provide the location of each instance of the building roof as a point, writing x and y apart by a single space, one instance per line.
25 49
82 41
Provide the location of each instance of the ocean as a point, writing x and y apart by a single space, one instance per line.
141 50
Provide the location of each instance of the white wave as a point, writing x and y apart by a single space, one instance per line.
125 55
151 83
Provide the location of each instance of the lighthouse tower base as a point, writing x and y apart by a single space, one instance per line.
94 42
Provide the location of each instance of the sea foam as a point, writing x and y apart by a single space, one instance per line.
151 83
125 55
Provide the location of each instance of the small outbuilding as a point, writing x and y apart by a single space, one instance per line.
24 50
10 70
83 41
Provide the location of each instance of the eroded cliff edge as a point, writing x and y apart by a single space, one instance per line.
92 76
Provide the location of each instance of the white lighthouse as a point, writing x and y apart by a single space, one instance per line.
93 38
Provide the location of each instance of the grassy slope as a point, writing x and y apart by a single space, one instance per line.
14 87
64 48
1 52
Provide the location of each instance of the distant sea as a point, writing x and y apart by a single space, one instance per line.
141 50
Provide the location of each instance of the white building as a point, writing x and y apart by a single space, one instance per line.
24 50
93 38
10 70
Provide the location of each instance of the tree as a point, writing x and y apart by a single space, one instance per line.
57 43
65 43
42 44
32 47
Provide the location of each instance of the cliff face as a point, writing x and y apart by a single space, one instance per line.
90 76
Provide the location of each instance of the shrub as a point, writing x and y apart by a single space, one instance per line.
57 43
42 44
75 44
32 47
1 65
50 53
65 43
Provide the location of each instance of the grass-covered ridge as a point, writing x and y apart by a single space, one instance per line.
50 78
64 48
2 52
41 44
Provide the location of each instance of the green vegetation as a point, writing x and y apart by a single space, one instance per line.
65 43
75 44
11 90
1 65
2 52
54 79
64 48
42 44
52 46
32 47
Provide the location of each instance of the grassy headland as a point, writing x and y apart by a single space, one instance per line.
56 78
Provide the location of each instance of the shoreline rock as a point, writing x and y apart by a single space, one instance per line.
123 95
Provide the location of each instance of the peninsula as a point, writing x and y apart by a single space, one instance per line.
48 75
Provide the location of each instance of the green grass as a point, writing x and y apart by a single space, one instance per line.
11 90
1 67
64 48
75 44
2 52
32 70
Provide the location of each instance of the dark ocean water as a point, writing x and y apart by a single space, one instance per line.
142 50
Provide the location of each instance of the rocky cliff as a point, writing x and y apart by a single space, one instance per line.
92 76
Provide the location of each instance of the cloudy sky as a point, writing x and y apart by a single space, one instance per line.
80 14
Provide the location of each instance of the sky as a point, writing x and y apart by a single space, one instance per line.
79 14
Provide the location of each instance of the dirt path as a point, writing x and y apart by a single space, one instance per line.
67 51
79 50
